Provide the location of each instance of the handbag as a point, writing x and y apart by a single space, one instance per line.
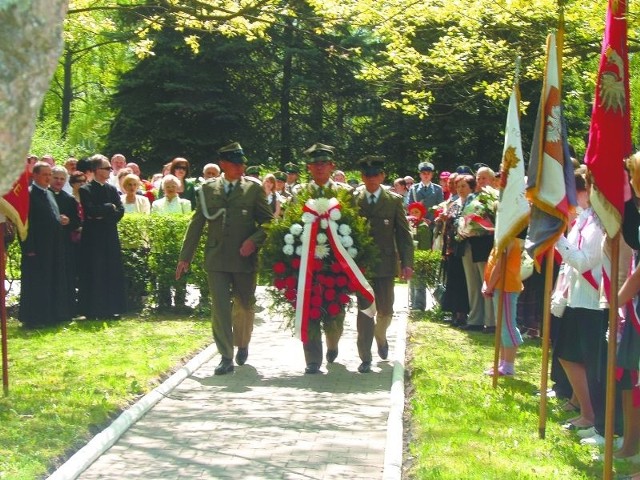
438 292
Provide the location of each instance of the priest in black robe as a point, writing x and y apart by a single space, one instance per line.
101 290
43 287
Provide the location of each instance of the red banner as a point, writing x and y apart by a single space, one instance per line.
610 131
15 204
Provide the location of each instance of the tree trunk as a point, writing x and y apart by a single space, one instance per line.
286 155
67 93
30 44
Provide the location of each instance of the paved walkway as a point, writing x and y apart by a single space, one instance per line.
267 420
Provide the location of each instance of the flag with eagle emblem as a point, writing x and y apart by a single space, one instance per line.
550 181
513 210
610 131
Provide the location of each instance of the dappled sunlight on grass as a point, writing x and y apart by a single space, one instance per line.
67 382
461 428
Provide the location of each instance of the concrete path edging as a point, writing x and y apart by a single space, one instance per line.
394 445
83 458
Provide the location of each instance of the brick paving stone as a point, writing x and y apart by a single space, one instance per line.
267 420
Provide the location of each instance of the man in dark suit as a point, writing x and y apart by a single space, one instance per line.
320 165
43 294
391 232
429 194
236 211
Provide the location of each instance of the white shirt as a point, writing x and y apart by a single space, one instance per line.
581 252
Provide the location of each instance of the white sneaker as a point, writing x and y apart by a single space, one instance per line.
598 441
586 432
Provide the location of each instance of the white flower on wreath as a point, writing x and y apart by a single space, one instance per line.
308 217
347 241
299 250
296 229
288 249
289 239
320 205
344 229
353 252
324 223
335 215
322 250
321 238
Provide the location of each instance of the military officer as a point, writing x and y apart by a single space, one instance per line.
293 173
236 212
392 235
320 163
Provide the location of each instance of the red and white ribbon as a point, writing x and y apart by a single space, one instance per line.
305 279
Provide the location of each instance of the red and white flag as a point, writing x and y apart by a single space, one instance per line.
610 131
550 181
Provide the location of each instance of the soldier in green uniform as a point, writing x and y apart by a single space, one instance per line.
292 171
392 235
320 165
235 211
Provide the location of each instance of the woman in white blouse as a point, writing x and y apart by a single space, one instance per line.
273 198
171 202
133 203
581 338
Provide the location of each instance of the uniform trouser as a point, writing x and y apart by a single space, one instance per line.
383 288
480 308
232 309
332 331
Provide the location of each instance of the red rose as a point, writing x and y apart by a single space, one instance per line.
336 267
330 294
329 282
316 289
295 262
279 268
343 298
314 313
280 283
316 301
291 282
290 294
334 309
317 264
341 281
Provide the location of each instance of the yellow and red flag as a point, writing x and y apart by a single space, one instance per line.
610 131
15 204
550 181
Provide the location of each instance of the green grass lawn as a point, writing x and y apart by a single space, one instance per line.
68 382
461 428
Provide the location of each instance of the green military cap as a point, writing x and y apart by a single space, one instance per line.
291 168
371 165
318 152
232 153
280 176
252 170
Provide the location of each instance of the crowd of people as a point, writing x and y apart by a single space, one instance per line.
72 265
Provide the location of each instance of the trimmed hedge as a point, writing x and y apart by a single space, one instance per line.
150 248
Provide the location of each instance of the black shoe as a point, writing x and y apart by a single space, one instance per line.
241 355
312 368
226 366
472 328
489 330
457 323
332 355
383 351
365 367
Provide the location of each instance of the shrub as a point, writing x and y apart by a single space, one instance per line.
426 265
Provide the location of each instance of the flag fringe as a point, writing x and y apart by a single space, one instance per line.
12 214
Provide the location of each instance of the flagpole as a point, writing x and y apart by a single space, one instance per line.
610 408
3 318
546 333
499 320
